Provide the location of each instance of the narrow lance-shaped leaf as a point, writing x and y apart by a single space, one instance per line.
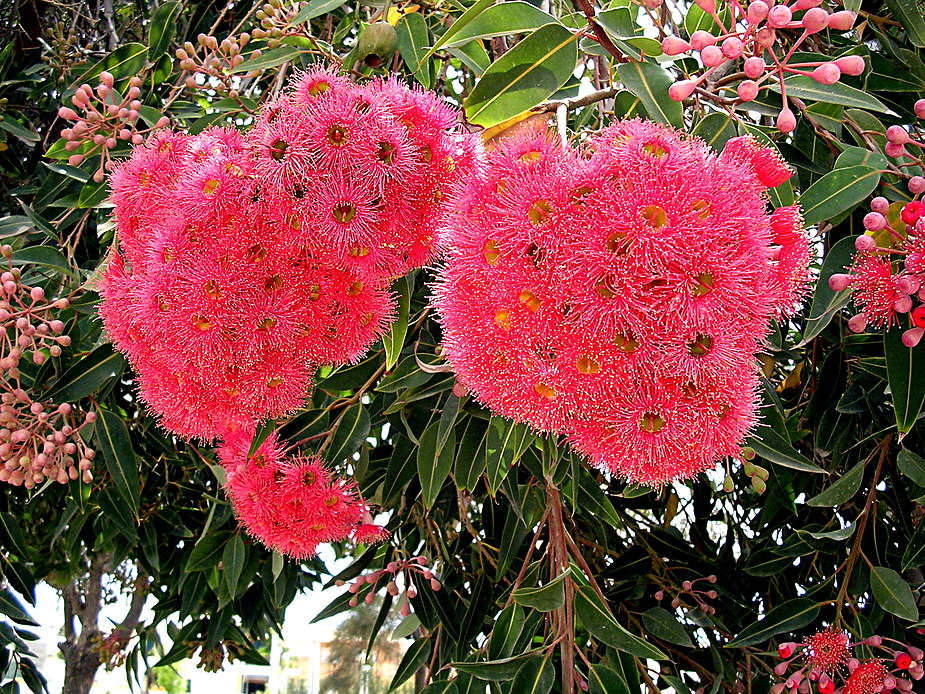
904 367
892 593
837 192
114 442
650 83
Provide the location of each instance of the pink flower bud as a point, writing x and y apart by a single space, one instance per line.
815 20
806 4
679 91
874 221
701 39
903 304
827 73
842 21
708 6
779 16
865 243
747 90
912 337
765 37
712 56
857 324
732 47
67 113
786 121
839 282
851 64
672 45
897 134
405 610
162 122
107 79
103 91
916 185
907 284
434 584
919 108
754 67
880 204
757 11
894 150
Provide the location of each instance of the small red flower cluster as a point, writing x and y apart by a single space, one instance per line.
246 261
824 656
398 578
887 274
619 295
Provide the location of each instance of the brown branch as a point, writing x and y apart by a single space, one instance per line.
587 8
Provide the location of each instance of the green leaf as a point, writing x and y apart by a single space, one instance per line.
415 657
912 466
14 609
859 156
315 8
350 432
264 429
785 618
14 226
233 557
514 17
88 375
715 128
698 20
911 19
464 20
915 551
837 535
663 625
837 192
904 368
771 446
413 38
12 126
840 491
892 593
115 511
207 552
650 83
826 301
433 464
11 536
126 61
506 631
471 456
163 29
536 676
394 340
45 256
597 619
93 195
591 498
505 444
495 670
544 598
603 680
268 59
116 446
524 76
442 687
805 87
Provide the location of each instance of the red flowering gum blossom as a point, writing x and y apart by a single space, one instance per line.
618 294
827 650
867 678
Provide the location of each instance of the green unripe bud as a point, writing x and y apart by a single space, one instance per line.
758 485
377 44
728 484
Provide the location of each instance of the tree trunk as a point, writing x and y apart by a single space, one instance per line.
80 666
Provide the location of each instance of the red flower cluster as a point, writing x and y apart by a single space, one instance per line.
246 261
619 295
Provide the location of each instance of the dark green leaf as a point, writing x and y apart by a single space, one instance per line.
603 680
785 618
495 670
233 557
506 631
536 676
513 17
597 619
859 156
715 128
269 59
394 340
841 490
915 551
461 23
115 510
663 625
912 466
116 446
350 432
208 552
126 61
163 28
544 598
11 536
471 455
904 367
805 87
14 609
13 127
88 375
893 594
650 83
415 657
434 465
316 8
524 76
93 194
770 445
43 255
837 192
826 301
413 39
911 19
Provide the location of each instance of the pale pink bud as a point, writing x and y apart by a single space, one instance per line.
162 122
672 45
903 304
815 20
894 150
732 47
874 221
913 336
806 4
907 284
839 282
865 243
851 64
765 37
897 134
916 185
747 90
842 21
98 177
712 56
107 79
435 584
679 91
779 16
827 73
754 67
880 204
919 108
67 113
103 91
405 610
757 11
786 121
37 293
708 6
133 93
701 39
137 139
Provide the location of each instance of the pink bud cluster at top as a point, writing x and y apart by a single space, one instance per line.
690 589
292 503
107 117
217 62
38 440
887 274
398 579
764 35
823 659
618 295
247 260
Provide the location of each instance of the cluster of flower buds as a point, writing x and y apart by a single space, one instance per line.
62 54
899 138
212 658
757 475
111 648
108 117
698 595
826 656
765 36
216 62
398 578
276 22
887 274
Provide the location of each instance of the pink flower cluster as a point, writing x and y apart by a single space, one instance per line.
292 503
823 657
618 295
749 32
247 260
887 274
398 578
